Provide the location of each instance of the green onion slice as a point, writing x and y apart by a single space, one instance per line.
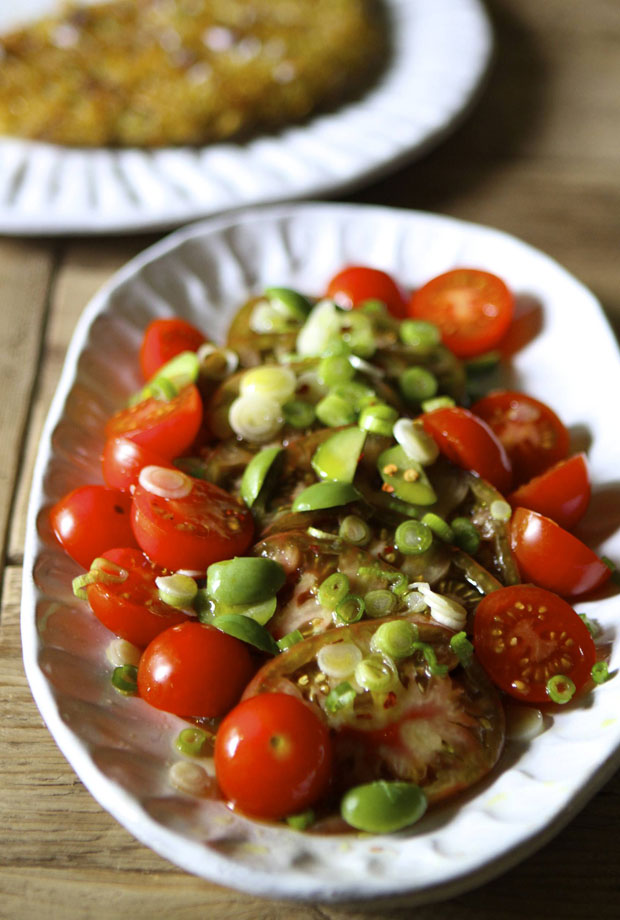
125 679
333 590
600 672
350 609
340 697
301 821
289 640
560 688
190 741
462 648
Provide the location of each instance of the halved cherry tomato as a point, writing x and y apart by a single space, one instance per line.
273 756
531 432
122 460
163 340
195 670
90 520
468 442
357 283
552 557
131 608
524 635
205 526
166 427
561 493
472 308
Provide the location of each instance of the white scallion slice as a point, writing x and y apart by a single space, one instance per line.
322 325
276 382
417 444
444 610
190 778
177 590
339 660
227 354
121 652
255 417
166 483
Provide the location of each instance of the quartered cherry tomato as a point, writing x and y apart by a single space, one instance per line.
532 434
468 442
357 283
524 635
163 340
90 520
194 669
122 460
131 608
166 427
472 308
273 756
553 558
561 493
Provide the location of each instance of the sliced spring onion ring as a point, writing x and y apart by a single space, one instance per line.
256 417
415 441
190 741
339 659
274 381
166 483
177 590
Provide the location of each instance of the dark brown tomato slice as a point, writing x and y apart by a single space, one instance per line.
443 733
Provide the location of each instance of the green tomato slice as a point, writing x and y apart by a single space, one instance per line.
338 456
406 477
326 494
256 472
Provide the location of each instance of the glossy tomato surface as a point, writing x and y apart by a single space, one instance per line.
90 520
164 339
357 283
532 434
561 493
131 608
122 460
194 669
552 557
524 635
273 756
468 442
165 427
472 308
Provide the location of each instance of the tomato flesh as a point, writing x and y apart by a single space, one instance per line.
357 283
561 493
166 428
90 520
524 635
122 460
163 340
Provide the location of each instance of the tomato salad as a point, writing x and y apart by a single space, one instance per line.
339 566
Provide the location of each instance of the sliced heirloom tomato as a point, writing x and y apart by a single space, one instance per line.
532 434
164 339
122 460
132 608
90 520
358 283
561 493
524 635
441 731
186 523
468 442
552 557
166 427
472 308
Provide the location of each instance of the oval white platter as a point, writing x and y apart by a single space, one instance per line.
121 748
441 50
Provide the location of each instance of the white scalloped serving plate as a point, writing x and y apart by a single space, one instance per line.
441 53
121 748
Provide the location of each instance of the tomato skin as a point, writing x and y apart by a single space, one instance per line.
163 340
206 526
518 640
553 558
132 609
122 460
472 308
532 434
468 442
194 670
91 519
561 493
357 283
166 428
273 756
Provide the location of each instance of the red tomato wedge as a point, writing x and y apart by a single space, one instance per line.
122 460
531 432
163 340
472 308
132 608
524 635
91 519
167 428
561 493
468 442
357 283
553 558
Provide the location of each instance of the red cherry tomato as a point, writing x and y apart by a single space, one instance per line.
472 308
469 443
194 670
552 557
357 283
523 635
532 434
167 428
561 493
90 520
205 526
272 756
131 608
122 461
163 340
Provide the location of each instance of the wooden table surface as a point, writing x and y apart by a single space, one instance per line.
538 157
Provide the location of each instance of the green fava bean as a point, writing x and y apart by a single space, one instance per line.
256 472
338 456
247 630
244 580
288 302
326 494
406 477
383 807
